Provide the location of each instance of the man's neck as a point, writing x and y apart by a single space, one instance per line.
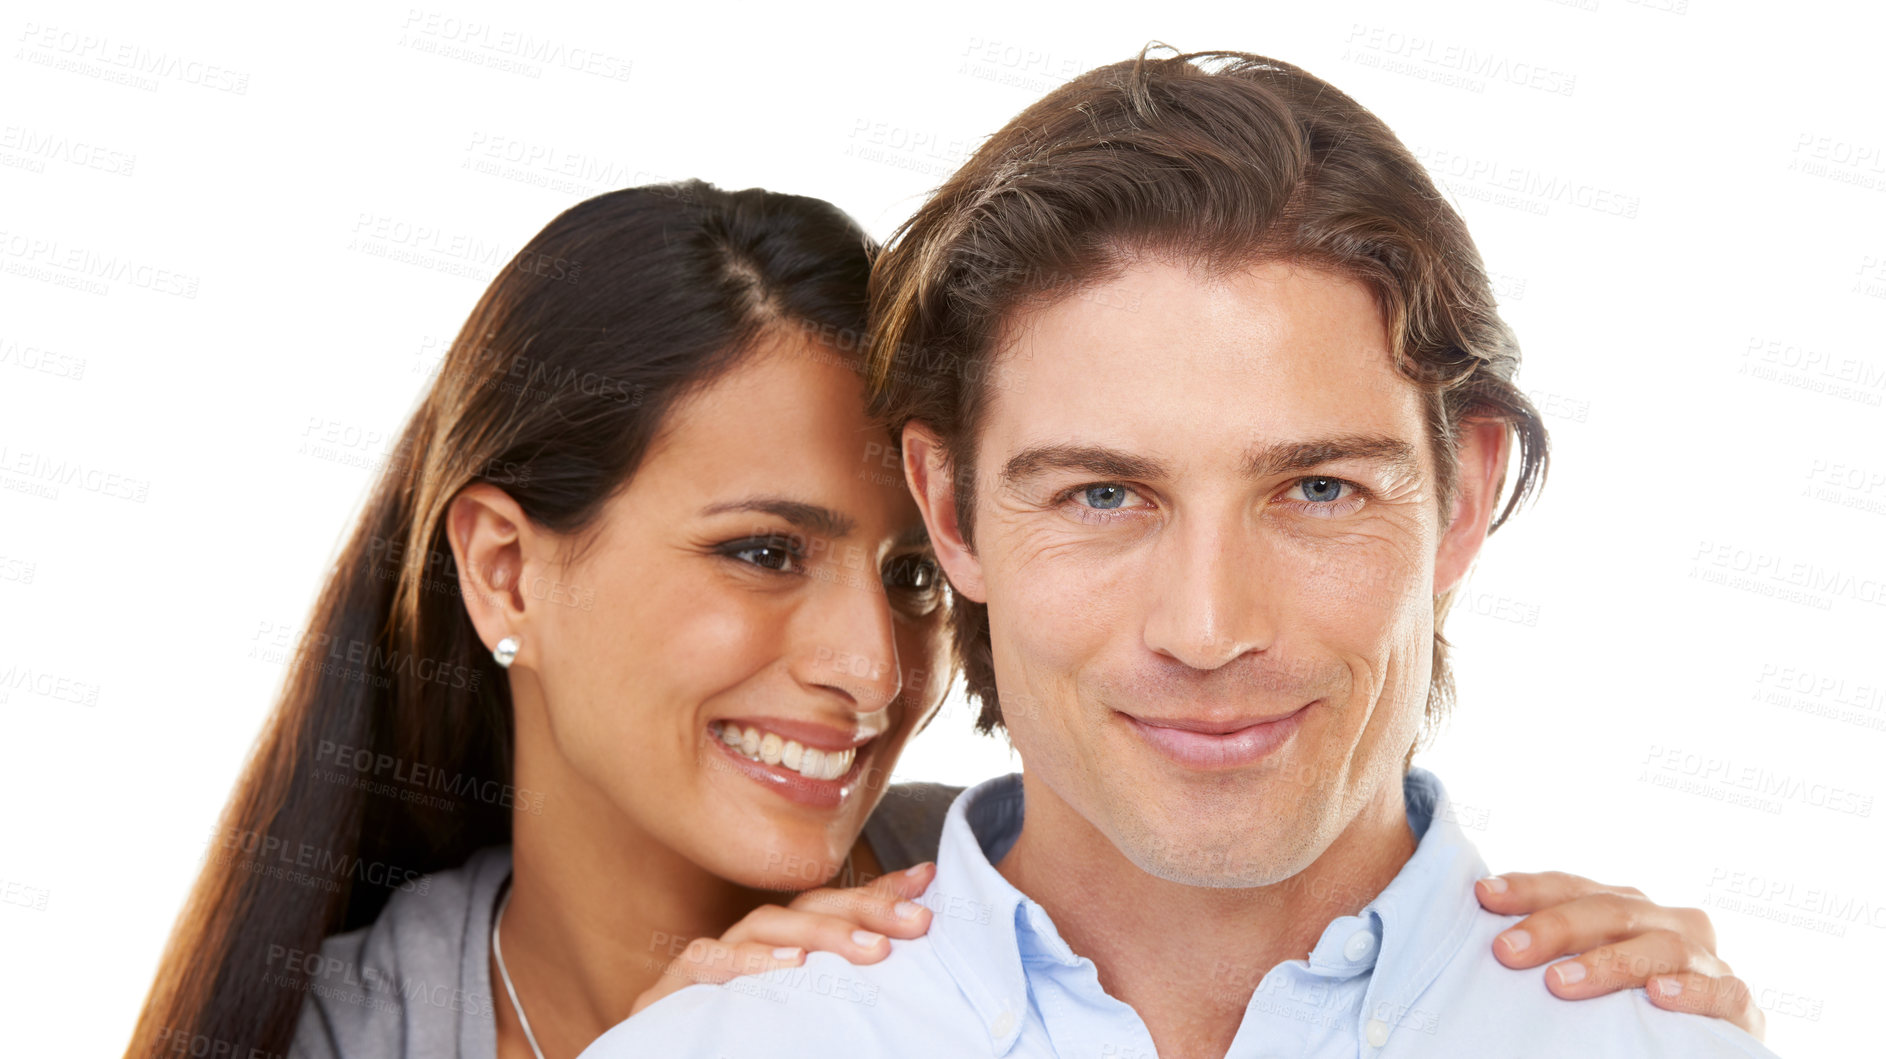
1188 958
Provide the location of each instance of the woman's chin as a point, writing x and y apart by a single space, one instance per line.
791 868
779 844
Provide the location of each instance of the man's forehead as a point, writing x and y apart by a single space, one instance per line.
1155 316
1275 353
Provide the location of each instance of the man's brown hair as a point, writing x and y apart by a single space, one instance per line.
1220 159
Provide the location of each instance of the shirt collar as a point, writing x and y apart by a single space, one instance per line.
982 925
978 917
1409 931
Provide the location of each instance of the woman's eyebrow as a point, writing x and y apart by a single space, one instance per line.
813 518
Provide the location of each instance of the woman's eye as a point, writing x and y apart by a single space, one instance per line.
770 554
769 557
1106 496
1324 490
914 573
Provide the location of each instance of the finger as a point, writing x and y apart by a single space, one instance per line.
906 883
776 926
891 887
1630 964
882 908
712 961
911 882
1717 996
1598 919
1519 893
722 961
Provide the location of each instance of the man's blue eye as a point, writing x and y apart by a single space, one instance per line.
1105 497
1321 490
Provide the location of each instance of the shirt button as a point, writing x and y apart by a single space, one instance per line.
1360 946
1004 1024
1378 1033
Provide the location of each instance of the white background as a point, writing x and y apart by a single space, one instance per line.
1630 657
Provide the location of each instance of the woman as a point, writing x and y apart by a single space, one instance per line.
618 656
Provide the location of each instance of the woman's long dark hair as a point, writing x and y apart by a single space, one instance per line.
389 754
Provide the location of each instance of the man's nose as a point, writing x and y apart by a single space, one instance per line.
1209 601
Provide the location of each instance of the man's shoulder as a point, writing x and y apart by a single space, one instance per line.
907 825
823 1007
1477 1003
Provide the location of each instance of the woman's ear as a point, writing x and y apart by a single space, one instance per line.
490 537
932 482
1481 450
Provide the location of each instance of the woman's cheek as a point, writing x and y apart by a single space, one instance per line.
926 667
638 672
712 643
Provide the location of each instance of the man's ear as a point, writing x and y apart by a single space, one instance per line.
932 481
490 534
1481 448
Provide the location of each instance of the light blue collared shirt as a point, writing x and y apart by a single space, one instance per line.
1412 974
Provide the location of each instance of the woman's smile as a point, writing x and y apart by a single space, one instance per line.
822 775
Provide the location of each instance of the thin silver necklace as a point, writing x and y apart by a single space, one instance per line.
847 879
497 953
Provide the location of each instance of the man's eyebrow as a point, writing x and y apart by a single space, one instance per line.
814 519
1092 459
1283 457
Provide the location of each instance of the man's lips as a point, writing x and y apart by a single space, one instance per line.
1210 743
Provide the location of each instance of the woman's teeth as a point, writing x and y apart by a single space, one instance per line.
810 762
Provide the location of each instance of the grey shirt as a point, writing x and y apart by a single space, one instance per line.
416 984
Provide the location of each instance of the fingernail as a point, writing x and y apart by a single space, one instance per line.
1517 941
919 869
1494 884
788 952
907 909
865 938
1665 987
1570 973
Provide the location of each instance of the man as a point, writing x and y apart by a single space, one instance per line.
1208 408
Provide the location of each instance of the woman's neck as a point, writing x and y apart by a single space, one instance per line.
597 908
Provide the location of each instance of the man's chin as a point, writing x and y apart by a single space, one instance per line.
1212 867
1232 855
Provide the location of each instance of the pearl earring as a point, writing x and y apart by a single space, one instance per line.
506 651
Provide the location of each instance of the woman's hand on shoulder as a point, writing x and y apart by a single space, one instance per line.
1622 939
855 923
